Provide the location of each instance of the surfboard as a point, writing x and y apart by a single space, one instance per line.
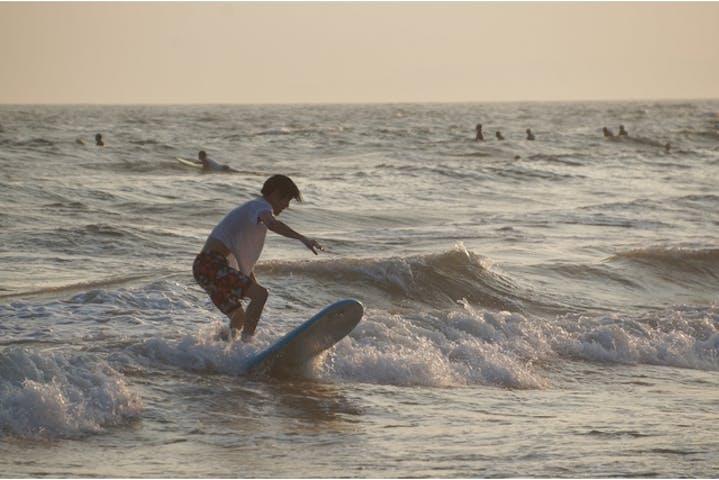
308 340
189 163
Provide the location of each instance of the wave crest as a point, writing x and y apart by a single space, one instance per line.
704 261
434 279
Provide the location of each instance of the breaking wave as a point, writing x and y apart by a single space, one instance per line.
47 395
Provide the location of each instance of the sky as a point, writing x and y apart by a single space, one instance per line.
347 52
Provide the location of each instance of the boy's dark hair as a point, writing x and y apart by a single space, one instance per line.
284 184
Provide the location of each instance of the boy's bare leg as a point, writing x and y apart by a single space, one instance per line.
258 296
237 320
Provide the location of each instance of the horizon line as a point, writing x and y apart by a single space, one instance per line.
399 102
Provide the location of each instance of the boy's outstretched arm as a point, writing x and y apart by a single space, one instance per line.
283 229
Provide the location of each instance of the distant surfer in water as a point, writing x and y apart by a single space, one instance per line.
530 135
499 135
607 132
622 131
209 165
98 140
480 135
225 266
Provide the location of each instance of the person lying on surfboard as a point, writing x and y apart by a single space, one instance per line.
210 165
225 266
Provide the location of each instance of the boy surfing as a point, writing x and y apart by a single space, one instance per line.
238 241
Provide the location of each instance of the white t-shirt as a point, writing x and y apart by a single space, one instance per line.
214 166
243 233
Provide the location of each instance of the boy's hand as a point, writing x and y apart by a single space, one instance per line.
312 244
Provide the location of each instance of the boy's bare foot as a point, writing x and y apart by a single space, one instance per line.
246 337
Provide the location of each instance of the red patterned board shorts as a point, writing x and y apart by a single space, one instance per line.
225 285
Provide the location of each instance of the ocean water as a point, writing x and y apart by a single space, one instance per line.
532 309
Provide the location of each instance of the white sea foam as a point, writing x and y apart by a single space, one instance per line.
681 336
46 394
472 346
466 345
461 347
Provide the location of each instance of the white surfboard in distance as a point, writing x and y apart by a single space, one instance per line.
188 163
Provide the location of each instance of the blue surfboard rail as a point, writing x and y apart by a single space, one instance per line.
260 357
